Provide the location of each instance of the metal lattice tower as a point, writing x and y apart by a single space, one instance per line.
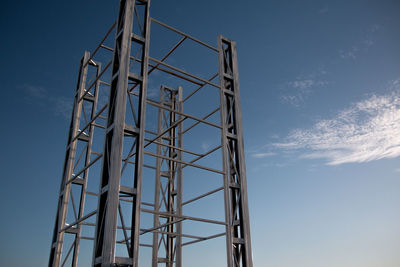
132 177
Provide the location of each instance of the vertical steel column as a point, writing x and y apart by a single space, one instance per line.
235 185
157 188
65 188
93 98
175 181
120 191
179 180
171 193
117 129
145 42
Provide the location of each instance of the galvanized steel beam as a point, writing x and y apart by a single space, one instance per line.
117 127
236 201
165 146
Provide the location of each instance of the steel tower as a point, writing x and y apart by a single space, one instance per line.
133 175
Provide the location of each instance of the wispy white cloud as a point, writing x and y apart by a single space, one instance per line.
368 40
293 99
34 91
323 10
368 130
351 53
263 155
298 90
61 106
375 28
205 146
306 84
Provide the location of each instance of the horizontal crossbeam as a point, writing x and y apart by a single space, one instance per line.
184 34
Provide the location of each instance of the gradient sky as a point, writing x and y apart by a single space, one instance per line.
320 88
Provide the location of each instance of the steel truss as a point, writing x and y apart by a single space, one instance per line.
168 185
117 223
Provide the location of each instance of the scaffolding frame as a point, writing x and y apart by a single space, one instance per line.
127 141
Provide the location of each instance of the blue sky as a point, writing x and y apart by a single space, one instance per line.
320 88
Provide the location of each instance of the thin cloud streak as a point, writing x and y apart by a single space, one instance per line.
307 83
301 90
35 91
323 10
297 91
364 45
366 131
350 53
263 155
61 106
